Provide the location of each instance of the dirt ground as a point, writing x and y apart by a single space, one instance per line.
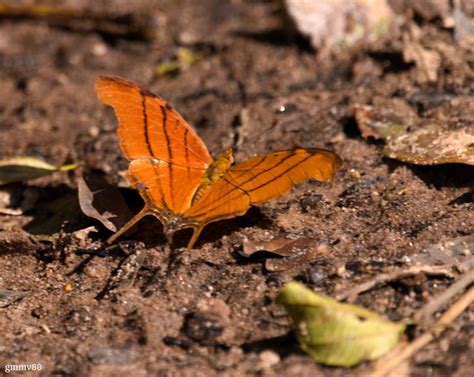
146 309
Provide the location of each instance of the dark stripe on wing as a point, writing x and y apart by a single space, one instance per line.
281 174
253 167
219 205
158 175
186 151
145 124
255 176
170 152
239 187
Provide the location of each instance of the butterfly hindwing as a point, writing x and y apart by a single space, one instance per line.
268 176
262 178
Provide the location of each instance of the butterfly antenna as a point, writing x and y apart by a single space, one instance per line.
244 124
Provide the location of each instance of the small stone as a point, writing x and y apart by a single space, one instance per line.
114 356
341 271
94 131
354 174
208 323
268 359
444 345
99 49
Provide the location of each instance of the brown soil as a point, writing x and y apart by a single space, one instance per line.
146 309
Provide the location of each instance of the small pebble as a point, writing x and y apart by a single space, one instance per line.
341 271
99 49
268 359
354 174
93 131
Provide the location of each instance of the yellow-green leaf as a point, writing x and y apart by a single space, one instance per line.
167 67
19 169
184 58
334 333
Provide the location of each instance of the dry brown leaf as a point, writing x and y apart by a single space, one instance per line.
381 123
97 197
302 255
433 144
427 61
295 253
336 24
463 27
434 141
455 251
275 246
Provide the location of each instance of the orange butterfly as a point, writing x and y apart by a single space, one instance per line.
176 176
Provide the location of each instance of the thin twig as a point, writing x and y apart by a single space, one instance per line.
125 25
389 362
426 312
398 274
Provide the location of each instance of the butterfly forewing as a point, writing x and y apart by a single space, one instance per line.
149 127
166 152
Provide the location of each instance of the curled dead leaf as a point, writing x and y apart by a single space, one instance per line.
97 197
295 253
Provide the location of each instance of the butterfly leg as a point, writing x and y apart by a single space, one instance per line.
169 235
196 232
128 225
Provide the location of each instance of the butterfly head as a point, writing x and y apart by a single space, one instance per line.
216 170
221 164
227 155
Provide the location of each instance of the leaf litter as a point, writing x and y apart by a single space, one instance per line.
283 254
420 141
97 197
